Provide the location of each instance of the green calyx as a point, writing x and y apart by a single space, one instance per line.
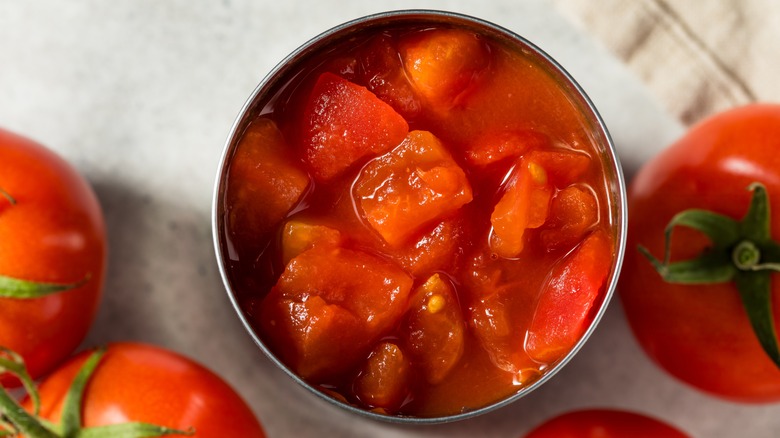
24 289
15 420
742 252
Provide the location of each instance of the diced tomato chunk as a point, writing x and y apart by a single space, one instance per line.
264 183
299 236
436 249
412 185
383 73
524 205
312 336
344 123
573 211
564 166
384 380
434 328
444 63
498 146
500 336
329 306
564 308
500 302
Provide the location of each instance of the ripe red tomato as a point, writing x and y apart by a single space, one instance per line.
701 333
52 233
604 423
142 383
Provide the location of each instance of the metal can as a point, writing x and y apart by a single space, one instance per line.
292 65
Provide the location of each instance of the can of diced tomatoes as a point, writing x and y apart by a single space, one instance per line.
419 216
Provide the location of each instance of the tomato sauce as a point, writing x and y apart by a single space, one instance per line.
419 221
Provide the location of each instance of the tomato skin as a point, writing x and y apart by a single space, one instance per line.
604 423
54 233
138 382
701 334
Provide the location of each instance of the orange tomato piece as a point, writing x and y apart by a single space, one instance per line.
329 306
434 329
499 300
299 236
494 147
500 335
264 183
564 166
564 308
436 249
384 379
344 123
444 63
573 211
383 73
412 185
524 205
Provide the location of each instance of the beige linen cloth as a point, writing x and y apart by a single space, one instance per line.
697 56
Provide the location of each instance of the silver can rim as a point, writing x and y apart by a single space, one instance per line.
619 208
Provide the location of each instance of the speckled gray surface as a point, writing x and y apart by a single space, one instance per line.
140 97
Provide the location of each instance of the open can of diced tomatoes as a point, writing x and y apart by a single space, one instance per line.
419 216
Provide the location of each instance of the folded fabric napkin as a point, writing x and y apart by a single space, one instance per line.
697 57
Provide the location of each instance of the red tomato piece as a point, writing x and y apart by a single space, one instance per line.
563 310
344 123
142 383
299 236
329 305
437 249
498 312
384 380
494 147
383 73
524 205
264 183
434 329
573 211
410 186
444 63
564 166
604 423
500 335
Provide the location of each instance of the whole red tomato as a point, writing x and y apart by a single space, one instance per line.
142 383
604 423
51 232
701 333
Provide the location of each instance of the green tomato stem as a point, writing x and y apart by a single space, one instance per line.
746 255
14 364
27 423
70 421
24 289
743 252
130 430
